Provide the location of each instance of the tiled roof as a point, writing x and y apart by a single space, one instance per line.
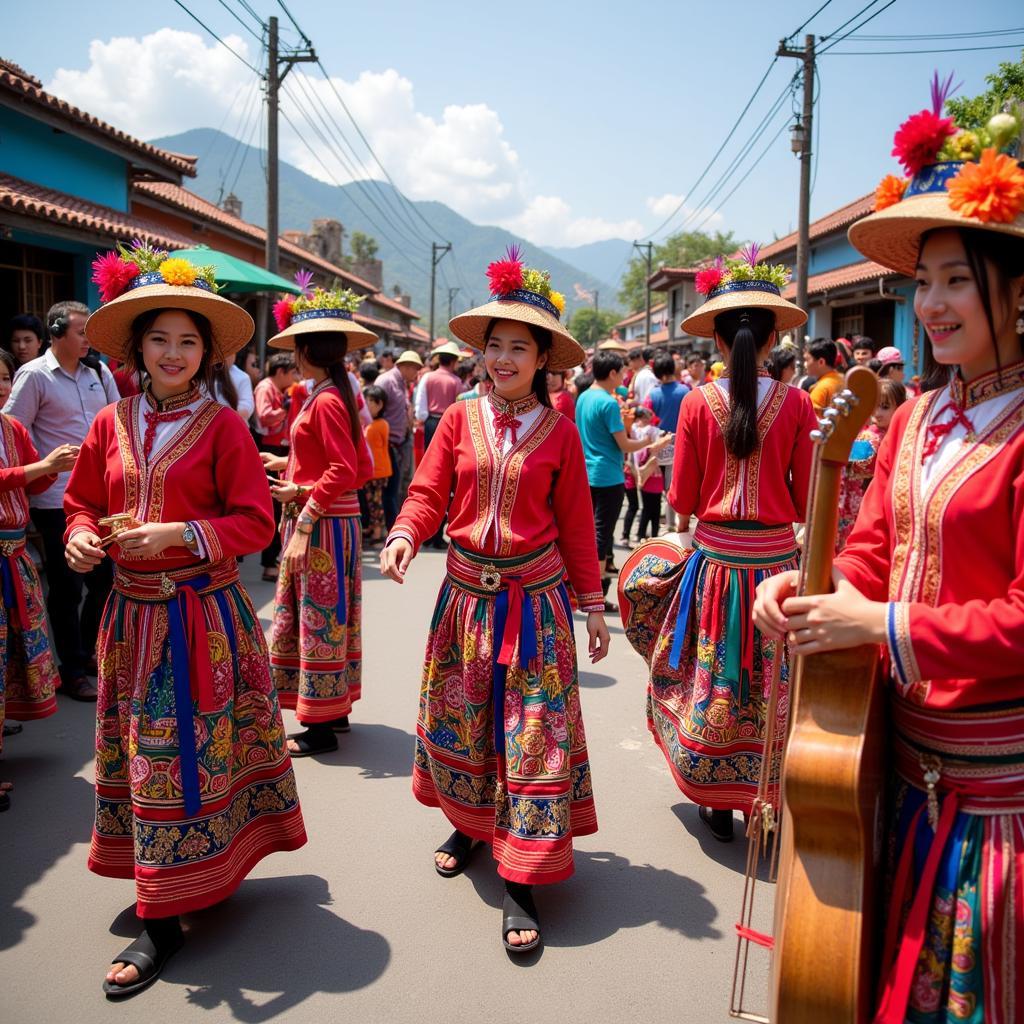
841 218
637 317
23 197
664 277
376 324
16 89
181 198
854 273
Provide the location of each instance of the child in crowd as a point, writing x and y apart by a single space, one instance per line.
644 483
377 433
861 467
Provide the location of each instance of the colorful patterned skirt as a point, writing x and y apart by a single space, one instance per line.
316 653
710 669
28 673
500 744
194 784
954 946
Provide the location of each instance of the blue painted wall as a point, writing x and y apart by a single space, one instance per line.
38 153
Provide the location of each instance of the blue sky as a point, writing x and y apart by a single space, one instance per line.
566 121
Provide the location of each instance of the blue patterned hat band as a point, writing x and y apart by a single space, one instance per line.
933 178
745 286
321 314
155 277
531 299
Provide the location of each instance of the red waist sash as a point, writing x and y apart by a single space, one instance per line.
12 545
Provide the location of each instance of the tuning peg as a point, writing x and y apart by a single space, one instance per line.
849 396
831 414
818 437
842 405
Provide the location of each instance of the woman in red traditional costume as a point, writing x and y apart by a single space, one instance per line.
28 675
500 742
193 782
315 646
742 465
934 573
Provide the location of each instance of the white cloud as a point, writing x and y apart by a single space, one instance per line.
705 218
170 81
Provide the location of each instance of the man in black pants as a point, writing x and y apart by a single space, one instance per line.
604 443
56 397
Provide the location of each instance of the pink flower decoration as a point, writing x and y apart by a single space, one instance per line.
112 274
304 279
708 280
283 312
506 275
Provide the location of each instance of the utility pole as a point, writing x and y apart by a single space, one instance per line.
452 292
437 252
597 303
803 246
275 76
649 246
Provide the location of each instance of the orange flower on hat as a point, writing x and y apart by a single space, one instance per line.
890 191
991 190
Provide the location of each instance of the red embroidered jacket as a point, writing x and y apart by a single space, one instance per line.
208 474
948 556
770 486
19 452
512 504
325 456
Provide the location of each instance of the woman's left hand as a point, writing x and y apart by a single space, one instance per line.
150 539
598 633
283 491
833 622
296 553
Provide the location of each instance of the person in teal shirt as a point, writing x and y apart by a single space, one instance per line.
603 433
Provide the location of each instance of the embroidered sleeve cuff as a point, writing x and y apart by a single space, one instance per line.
593 602
400 532
313 510
901 650
209 543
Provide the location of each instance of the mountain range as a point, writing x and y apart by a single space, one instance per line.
374 207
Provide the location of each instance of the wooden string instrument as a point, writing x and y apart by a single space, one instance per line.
830 842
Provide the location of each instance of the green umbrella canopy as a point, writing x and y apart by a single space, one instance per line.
235 275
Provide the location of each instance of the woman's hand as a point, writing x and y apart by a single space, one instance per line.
83 551
768 614
150 539
395 559
833 622
274 463
598 633
296 553
283 491
61 459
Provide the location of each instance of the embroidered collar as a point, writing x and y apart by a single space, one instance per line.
988 385
172 404
762 371
502 406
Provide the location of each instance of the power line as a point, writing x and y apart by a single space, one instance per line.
234 14
936 35
870 17
893 53
206 28
854 17
252 14
295 24
256 127
241 133
801 27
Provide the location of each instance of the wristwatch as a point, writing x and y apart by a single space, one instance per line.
189 539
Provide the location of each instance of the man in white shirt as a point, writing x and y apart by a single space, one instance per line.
56 398
643 381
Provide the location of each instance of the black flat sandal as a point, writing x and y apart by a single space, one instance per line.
519 914
340 724
461 847
719 822
310 743
147 959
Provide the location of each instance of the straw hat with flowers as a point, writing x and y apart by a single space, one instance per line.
524 294
136 279
955 178
317 309
742 284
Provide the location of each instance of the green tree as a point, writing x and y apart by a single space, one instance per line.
363 246
1006 87
588 326
681 250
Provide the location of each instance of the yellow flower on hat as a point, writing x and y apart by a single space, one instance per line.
557 299
178 271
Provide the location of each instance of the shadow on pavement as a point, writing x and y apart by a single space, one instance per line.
730 855
276 936
607 893
51 809
378 751
596 681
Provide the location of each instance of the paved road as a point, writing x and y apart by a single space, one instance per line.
357 926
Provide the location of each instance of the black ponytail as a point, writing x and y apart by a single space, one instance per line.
745 332
325 350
